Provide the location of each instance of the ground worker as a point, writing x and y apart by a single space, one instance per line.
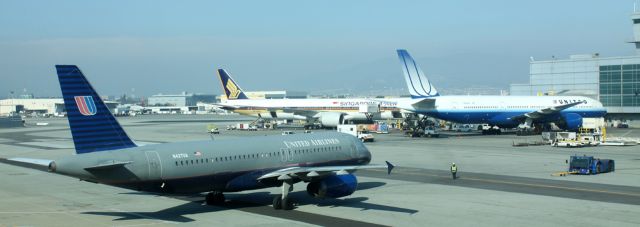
454 170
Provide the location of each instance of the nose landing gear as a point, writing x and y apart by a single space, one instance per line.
282 201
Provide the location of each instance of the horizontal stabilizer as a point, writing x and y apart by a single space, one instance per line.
423 104
39 162
109 165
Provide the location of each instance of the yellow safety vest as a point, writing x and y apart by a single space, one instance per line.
454 169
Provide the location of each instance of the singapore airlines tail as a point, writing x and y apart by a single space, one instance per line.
230 87
417 83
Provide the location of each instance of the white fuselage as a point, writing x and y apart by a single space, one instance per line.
498 110
348 106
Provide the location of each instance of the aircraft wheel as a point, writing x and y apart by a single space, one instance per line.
214 198
287 204
277 202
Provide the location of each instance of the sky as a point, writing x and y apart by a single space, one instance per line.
150 47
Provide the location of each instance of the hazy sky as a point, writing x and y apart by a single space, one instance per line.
150 47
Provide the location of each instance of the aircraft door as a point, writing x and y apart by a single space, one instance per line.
154 164
287 155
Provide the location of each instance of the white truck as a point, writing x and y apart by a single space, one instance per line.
431 131
353 130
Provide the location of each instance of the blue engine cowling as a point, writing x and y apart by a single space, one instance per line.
334 186
572 121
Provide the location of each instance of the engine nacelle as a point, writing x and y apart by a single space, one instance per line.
334 186
331 119
572 121
390 115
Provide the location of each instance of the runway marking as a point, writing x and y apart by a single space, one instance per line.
557 187
626 133
515 183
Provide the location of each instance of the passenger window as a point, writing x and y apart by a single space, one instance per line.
176 163
181 163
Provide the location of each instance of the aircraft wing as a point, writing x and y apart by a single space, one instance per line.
545 112
311 173
225 106
306 113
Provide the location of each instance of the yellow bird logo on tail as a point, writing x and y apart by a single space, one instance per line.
234 92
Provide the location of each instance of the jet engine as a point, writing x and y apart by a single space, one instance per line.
333 186
572 121
331 119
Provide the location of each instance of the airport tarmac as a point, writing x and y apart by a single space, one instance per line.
498 185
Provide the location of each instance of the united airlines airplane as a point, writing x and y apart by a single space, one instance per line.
566 112
105 154
328 112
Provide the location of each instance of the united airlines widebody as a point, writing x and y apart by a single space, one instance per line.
327 112
566 112
105 154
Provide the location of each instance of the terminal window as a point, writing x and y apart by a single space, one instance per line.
620 85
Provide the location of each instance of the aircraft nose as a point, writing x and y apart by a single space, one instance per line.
364 156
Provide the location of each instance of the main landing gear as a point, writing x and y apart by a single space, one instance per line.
214 198
283 201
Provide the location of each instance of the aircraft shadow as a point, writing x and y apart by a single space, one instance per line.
174 214
248 202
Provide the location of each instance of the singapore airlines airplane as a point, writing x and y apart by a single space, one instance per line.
105 154
502 111
327 112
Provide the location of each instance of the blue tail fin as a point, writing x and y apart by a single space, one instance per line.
417 83
92 126
230 87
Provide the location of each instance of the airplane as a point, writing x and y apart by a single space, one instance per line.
566 112
327 112
105 154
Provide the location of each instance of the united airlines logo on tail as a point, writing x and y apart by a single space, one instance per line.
86 106
417 82
234 92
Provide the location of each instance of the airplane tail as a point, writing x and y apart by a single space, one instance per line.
93 127
417 83
230 87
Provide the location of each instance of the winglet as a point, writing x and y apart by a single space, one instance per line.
417 83
230 87
389 167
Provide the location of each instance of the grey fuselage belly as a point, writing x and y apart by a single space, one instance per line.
224 165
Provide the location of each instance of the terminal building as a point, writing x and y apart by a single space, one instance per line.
39 106
615 81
